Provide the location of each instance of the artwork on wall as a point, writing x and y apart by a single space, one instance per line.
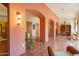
33 26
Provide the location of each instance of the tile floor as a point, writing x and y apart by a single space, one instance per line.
40 49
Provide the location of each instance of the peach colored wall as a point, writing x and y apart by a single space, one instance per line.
17 32
51 28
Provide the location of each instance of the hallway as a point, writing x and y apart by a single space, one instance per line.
40 48
48 20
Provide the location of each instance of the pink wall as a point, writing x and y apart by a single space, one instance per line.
17 32
51 28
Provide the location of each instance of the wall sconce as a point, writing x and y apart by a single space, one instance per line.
18 18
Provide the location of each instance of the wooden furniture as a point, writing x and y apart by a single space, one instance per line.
65 29
68 30
29 27
72 50
50 52
0 29
5 33
3 47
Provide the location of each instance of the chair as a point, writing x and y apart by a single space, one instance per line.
72 50
50 52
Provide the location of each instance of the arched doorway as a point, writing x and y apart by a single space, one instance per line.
42 23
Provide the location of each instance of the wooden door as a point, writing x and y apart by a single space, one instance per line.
29 27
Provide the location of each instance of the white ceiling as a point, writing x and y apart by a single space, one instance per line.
64 10
32 18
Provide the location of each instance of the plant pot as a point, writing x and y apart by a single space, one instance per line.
29 43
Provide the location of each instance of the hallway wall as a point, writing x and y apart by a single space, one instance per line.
17 33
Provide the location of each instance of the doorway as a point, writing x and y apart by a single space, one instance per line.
38 25
3 30
32 25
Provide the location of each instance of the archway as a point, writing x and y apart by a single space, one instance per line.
42 23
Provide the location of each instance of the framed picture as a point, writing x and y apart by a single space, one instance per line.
33 26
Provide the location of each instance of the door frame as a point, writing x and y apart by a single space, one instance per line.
8 25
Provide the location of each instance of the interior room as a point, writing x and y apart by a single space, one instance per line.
41 29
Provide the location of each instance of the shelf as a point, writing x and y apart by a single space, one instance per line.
65 29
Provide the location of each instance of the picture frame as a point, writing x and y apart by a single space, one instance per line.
33 26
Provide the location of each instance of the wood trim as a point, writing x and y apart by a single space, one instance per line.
6 5
8 26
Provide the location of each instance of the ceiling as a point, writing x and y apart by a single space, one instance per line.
64 10
32 18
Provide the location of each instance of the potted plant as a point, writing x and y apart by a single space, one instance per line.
29 41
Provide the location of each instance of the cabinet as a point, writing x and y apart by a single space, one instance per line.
65 29
68 30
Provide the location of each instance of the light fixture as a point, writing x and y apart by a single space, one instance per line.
18 18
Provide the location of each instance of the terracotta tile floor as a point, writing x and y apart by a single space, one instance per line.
40 49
